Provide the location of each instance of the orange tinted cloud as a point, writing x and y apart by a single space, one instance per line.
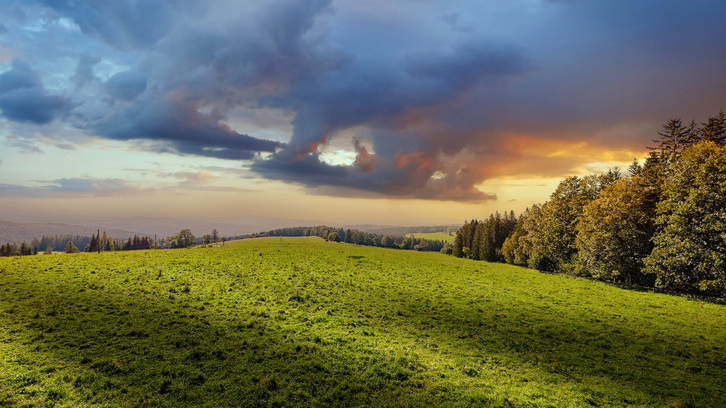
537 156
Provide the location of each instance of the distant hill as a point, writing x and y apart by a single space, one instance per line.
406 230
204 225
18 231
162 226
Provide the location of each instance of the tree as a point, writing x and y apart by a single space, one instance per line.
170 241
71 249
25 248
105 242
93 246
715 129
185 238
513 250
407 243
387 241
673 138
614 232
690 246
215 236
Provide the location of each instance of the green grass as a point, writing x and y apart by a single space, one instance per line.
441 236
300 322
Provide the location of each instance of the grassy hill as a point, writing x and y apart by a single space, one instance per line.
440 236
301 322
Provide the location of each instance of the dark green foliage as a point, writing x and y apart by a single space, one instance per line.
690 247
139 243
715 129
483 240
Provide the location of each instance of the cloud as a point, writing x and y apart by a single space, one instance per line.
126 85
23 97
122 24
24 145
190 179
415 96
406 155
177 120
74 187
84 70
90 186
455 21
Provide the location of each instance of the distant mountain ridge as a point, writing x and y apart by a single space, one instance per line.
161 226
18 231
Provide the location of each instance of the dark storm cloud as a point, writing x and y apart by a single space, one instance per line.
183 93
178 121
405 160
23 98
126 85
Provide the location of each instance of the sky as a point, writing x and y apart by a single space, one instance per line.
337 110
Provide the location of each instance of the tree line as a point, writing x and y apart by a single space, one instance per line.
662 224
101 243
354 236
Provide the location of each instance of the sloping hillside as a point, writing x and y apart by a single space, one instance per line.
301 322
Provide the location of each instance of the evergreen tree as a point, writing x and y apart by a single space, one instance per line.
673 138
714 129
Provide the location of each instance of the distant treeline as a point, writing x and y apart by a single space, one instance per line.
104 243
354 236
50 243
427 229
662 224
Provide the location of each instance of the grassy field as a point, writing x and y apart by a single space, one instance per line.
435 235
300 322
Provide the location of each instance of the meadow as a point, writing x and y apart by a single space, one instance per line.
302 322
439 236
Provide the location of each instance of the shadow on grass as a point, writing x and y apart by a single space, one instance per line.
616 360
88 346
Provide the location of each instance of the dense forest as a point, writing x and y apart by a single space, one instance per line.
661 224
355 236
